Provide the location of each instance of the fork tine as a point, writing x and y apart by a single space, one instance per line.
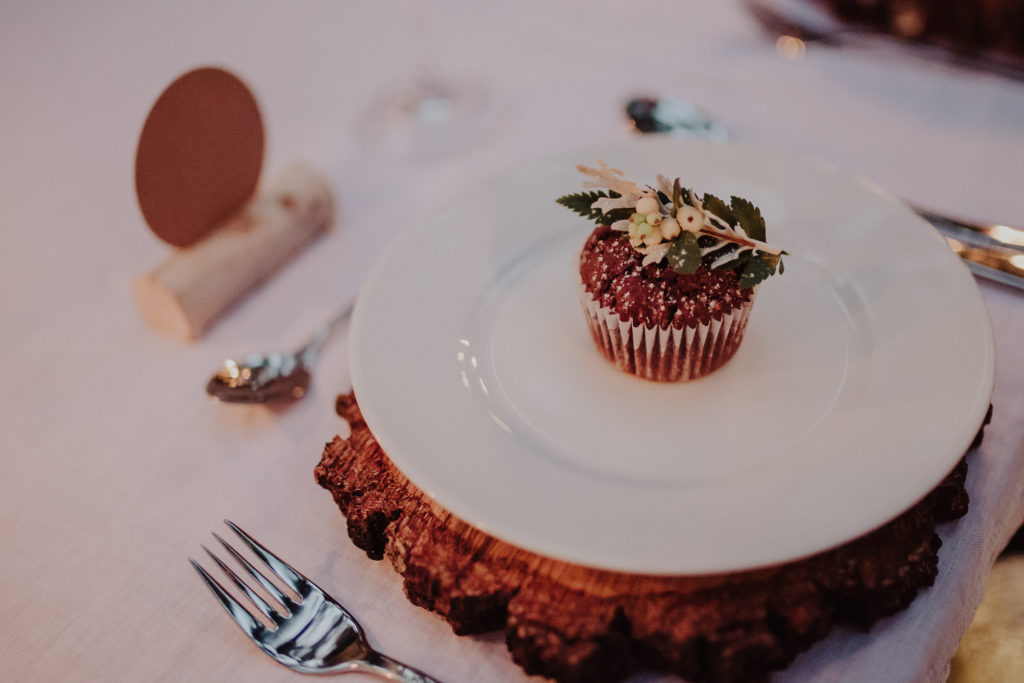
241 616
259 602
274 591
286 572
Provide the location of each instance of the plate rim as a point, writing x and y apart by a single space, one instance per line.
374 419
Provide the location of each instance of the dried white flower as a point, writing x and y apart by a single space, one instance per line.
651 231
695 201
606 204
611 178
654 253
713 221
664 185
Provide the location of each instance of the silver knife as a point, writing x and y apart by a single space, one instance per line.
994 252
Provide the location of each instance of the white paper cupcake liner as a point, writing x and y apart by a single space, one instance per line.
665 354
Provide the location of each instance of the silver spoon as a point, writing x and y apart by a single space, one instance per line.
994 252
272 378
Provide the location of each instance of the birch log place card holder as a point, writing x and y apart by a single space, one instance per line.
197 171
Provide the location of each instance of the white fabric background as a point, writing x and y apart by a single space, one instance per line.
115 466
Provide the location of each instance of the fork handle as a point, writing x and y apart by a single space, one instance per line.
391 669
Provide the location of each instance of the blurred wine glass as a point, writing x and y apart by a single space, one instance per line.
430 115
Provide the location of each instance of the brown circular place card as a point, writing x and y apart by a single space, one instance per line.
199 155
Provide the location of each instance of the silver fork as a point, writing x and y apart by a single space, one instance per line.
316 635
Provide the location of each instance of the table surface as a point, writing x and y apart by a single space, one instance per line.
116 466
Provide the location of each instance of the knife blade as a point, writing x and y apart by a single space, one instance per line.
994 252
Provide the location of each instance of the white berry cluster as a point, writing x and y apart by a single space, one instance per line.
652 223
656 230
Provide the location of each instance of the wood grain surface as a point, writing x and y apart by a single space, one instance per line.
572 623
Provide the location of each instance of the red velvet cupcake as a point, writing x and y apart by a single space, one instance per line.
667 279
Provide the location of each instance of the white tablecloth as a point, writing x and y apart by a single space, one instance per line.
115 466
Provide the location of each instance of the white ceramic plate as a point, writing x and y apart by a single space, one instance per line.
865 372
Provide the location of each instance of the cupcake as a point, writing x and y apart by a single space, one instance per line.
667 278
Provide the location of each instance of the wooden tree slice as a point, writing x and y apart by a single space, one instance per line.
573 623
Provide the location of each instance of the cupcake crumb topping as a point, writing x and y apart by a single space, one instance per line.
644 294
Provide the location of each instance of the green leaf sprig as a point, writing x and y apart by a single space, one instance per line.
744 253
583 204
728 236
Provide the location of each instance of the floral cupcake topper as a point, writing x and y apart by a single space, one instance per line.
671 223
